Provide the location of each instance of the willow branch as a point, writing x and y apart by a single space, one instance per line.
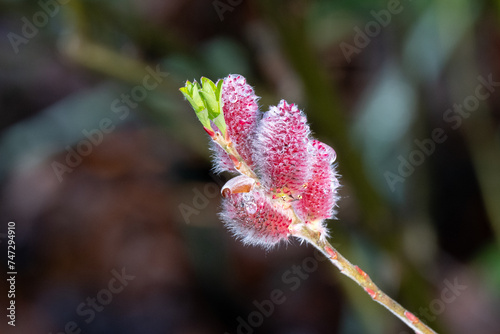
359 276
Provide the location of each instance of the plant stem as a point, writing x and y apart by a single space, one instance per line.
238 161
360 277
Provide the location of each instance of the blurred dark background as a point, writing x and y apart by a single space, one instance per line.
105 169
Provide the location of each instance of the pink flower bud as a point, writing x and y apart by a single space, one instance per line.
282 151
320 194
241 114
256 219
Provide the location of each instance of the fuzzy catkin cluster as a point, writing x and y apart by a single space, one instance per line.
296 179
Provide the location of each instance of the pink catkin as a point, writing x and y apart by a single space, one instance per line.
295 171
255 219
320 196
241 114
283 157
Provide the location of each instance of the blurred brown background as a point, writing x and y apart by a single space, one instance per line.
105 169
